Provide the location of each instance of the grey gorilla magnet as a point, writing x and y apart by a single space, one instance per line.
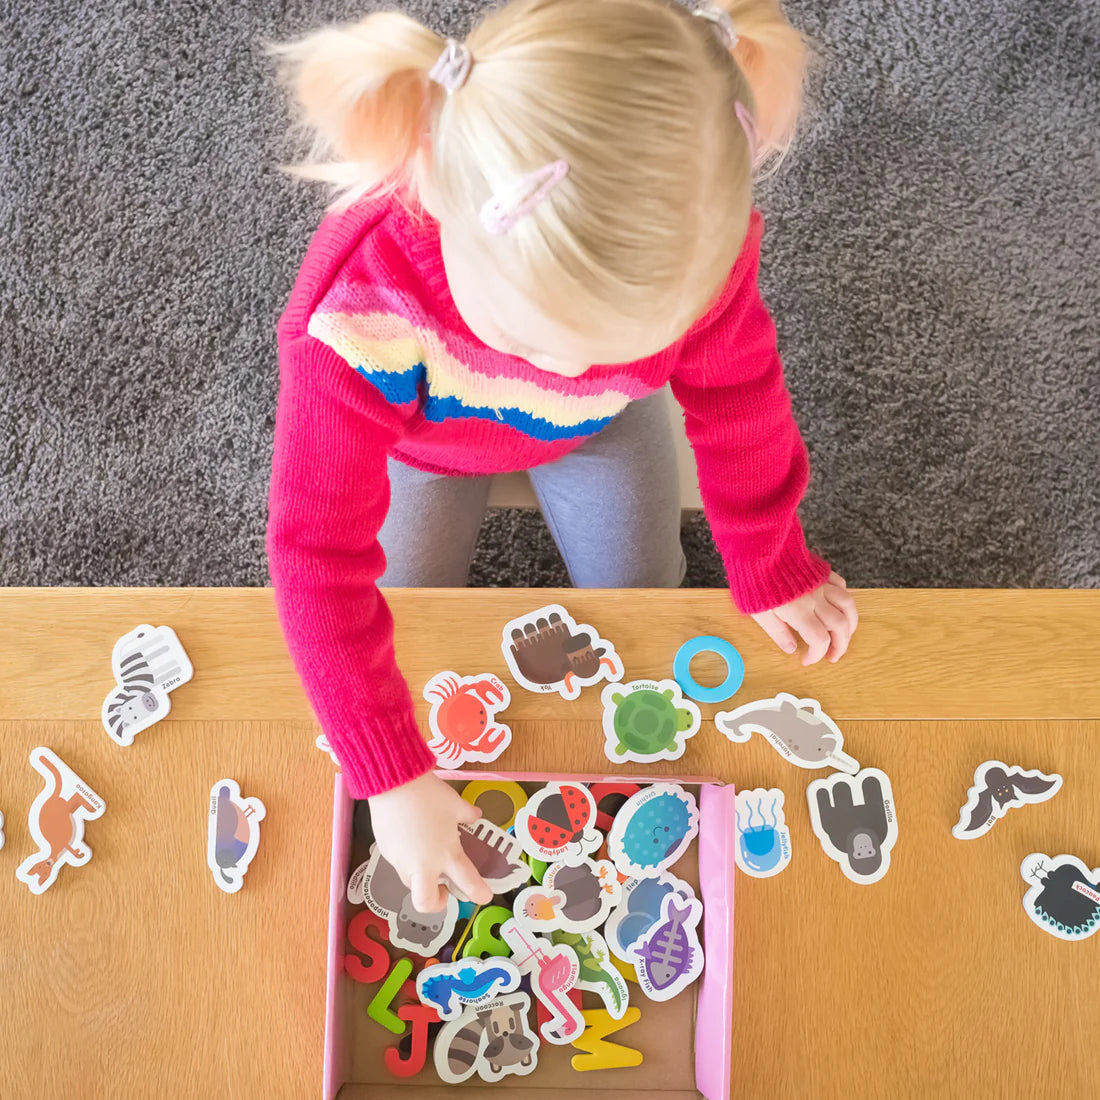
853 817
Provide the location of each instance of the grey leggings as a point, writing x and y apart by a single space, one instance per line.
612 505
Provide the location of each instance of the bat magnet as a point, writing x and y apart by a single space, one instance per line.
798 729
763 839
463 718
669 956
56 821
385 894
997 789
232 834
647 720
547 650
558 823
653 830
853 816
148 663
1063 896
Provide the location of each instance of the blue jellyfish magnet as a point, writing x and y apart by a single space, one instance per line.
763 839
232 835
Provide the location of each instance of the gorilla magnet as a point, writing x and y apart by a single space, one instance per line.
853 817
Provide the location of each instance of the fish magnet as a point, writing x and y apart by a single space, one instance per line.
558 823
853 817
639 910
554 971
453 987
148 663
492 1040
547 650
647 720
653 830
497 855
56 821
798 729
597 973
572 897
385 893
1063 896
763 839
232 834
463 718
997 789
669 956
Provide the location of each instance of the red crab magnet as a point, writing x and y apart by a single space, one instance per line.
463 718
559 823
56 821
547 650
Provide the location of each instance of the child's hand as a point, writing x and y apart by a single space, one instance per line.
826 618
416 826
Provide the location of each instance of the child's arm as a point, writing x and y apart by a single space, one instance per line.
329 497
753 466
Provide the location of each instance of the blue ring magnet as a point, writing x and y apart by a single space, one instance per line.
708 643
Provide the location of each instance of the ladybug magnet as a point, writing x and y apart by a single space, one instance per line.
558 824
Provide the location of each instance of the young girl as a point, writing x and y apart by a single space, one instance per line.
535 230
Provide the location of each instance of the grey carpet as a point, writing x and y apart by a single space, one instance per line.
932 263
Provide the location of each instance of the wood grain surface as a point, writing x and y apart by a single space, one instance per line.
136 977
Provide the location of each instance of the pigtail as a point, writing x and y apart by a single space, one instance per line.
364 98
773 56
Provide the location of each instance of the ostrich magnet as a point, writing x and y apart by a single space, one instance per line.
232 834
763 839
56 821
547 650
646 721
853 817
148 663
463 718
997 789
798 729
1063 896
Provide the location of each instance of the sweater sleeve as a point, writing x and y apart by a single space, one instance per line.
329 496
753 466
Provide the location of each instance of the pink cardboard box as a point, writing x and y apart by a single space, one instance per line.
671 1069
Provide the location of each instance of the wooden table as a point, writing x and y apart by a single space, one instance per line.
135 977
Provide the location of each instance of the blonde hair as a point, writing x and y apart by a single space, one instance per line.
638 96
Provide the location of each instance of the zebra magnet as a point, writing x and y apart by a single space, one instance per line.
148 663
763 839
232 834
493 1040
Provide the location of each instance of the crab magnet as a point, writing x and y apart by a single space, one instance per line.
763 839
798 729
853 817
453 987
554 971
598 974
653 830
547 650
232 834
647 720
493 1040
385 893
56 821
1063 896
571 897
559 823
997 789
669 956
148 663
640 910
463 718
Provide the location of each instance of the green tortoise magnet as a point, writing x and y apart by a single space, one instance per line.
647 720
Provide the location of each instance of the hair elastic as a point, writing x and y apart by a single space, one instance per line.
518 199
748 124
721 20
453 67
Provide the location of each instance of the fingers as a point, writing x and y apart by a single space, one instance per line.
814 634
466 813
428 896
464 875
777 630
837 579
840 632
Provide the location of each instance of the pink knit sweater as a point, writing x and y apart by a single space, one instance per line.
375 360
